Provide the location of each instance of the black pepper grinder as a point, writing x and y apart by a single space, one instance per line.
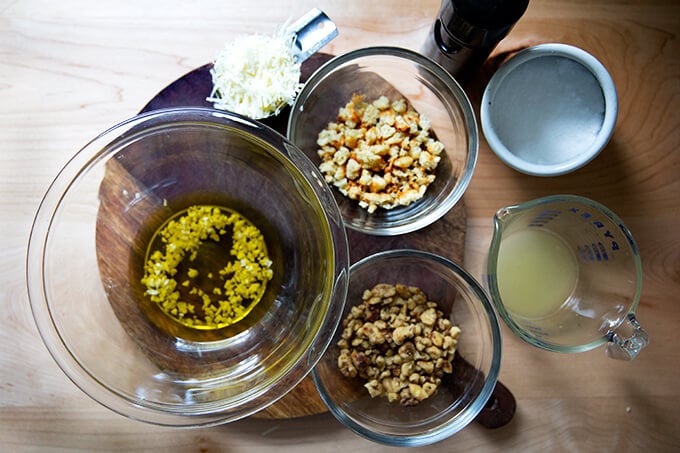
466 31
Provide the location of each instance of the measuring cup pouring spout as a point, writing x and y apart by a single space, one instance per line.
502 216
565 275
501 219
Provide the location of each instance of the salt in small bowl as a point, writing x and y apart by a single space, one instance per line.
549 110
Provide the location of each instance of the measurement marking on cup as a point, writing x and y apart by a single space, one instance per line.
596 251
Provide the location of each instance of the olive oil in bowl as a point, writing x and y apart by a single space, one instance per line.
205 270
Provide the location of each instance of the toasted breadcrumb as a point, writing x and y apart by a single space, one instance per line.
379 153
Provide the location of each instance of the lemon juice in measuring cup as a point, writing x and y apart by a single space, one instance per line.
565 275
537 273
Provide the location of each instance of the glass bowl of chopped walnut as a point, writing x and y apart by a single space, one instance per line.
186 268
417 354
392 132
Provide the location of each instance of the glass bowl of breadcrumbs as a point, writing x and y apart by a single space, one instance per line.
393 134
187 267
417 354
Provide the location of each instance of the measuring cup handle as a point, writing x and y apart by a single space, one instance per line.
623 347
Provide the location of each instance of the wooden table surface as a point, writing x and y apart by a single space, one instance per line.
70 69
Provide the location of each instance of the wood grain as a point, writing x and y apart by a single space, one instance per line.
69 70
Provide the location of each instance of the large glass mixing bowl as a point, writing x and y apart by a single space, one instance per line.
87 252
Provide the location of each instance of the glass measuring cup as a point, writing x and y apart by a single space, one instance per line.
565 275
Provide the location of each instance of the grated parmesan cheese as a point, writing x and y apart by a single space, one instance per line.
256 75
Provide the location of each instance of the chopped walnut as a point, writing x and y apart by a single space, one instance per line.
399 342
379 153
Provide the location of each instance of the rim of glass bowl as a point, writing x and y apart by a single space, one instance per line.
459 95
212 412
446 430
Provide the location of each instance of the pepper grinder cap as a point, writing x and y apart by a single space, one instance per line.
480 23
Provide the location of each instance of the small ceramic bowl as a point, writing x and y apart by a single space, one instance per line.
462 394
430 91
549 110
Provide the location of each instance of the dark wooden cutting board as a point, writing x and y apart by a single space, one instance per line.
445 237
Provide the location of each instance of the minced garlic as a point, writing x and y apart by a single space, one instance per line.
241 282
256 75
